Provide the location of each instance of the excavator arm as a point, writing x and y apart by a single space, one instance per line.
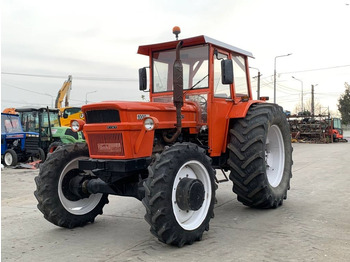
63 93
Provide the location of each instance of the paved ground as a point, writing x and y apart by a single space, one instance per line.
312 225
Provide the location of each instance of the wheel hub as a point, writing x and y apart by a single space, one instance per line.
190 194
72 186
8 159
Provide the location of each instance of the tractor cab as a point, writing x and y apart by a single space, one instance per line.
206 69
16 144
337 131
46 122
215 76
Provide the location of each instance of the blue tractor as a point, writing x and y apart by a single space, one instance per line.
16 145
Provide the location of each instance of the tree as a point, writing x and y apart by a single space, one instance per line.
307 107
344 105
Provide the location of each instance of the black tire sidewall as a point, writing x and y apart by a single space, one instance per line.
186 157
47 188
247 157
164 171
278 119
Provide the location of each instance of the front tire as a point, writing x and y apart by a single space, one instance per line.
10 158
55 200
260 157
180 194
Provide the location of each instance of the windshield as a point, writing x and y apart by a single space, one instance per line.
195 68
72 110
10 124
53 119
336 123
29 121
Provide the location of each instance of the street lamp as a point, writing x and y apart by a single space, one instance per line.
302 94
87 94
258 90
51 99
274 77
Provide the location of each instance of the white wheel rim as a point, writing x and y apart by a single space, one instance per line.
274 156
82 206
8 159
189 219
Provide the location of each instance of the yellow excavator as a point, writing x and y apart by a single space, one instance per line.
67 113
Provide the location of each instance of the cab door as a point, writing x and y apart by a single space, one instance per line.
221 103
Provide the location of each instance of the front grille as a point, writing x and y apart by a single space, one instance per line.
106 144
102 116
32 143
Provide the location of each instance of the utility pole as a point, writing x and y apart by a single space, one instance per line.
274 77
312 101
258 89
259 84
329 115
302 99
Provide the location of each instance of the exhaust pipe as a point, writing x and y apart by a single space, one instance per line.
177 93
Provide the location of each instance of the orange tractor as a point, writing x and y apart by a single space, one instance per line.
201 118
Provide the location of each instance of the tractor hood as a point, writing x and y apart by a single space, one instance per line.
125 111
137 106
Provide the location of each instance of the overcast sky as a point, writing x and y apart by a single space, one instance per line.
96 42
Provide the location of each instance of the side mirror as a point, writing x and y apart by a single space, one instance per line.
142 79
226 71
65 115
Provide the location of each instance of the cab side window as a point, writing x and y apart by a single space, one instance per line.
240 76
220 90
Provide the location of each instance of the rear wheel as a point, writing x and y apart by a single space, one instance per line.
41 154
180 194
56 199
53 146
261 157
10 157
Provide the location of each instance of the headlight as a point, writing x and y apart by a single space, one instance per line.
32 135
149 124
75 126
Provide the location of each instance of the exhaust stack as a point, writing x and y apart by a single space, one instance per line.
177 93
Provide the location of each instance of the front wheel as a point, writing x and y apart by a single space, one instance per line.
10 158
260 157
56 200
180 194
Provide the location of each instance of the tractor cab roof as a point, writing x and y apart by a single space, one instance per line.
198 40
36 109
8 114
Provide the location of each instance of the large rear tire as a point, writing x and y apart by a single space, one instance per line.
180 194
55 199
260 157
